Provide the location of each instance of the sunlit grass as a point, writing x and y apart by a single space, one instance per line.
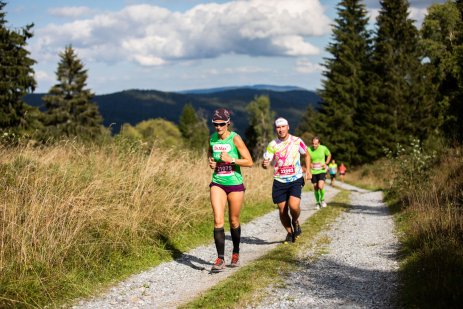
75 218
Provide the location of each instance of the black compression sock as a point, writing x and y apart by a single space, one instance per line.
219 238
236 237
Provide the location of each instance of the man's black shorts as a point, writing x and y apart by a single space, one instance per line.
317 177
282 191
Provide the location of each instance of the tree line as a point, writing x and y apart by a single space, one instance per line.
386 86
381 87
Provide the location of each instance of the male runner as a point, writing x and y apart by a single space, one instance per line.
320 156
285 151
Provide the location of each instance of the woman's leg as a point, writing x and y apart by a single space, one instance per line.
235 202
218 201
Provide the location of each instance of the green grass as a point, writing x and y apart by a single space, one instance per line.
247 286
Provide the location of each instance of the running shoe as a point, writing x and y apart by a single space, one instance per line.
218 266
289 238
235 260
323 204
317 206
297 230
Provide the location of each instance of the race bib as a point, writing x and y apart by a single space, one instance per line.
317 166
224 169
286 170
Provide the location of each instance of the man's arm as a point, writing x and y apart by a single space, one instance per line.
308 164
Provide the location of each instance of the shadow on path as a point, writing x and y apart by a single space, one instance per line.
181 257
350 286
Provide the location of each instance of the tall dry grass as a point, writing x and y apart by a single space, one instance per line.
70 207
378 175
432 236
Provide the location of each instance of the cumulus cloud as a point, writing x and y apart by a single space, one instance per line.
306 67
43 77
72 11
150 35
417 9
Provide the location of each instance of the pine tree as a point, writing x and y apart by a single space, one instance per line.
260 130
439 40
16 75
343 88
311 125
70 111
400 104
193 128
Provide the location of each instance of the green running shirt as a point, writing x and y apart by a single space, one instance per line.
226 174
317 158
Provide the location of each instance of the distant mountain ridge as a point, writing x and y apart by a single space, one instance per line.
256 87
133 106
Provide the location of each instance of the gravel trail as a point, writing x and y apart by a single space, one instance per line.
171 284
358 268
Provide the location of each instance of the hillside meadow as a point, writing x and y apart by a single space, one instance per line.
75 218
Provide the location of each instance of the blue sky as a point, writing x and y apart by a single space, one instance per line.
174 45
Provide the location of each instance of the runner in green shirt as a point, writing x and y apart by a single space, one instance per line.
227 154
333 170
320 156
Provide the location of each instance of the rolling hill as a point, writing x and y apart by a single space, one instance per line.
133 106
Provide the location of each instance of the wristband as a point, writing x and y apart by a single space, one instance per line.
233 161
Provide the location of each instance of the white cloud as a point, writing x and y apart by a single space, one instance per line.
72 11
417 15
306 67
237 70
43 76
151 35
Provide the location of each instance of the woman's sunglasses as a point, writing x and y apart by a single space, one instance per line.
219 124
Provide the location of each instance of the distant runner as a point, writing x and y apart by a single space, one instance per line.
320 156
333 170
342 171
227 153
286 151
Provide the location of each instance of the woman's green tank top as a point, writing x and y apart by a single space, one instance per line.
226 174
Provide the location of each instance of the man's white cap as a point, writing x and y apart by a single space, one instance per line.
281 122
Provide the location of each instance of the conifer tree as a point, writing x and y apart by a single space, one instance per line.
260 130
193 128
70 111
399 105
16 75
440 31
343 88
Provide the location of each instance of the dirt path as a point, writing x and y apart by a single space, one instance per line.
177 282
358 266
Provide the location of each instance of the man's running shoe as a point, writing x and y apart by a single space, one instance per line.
297 230
289 238
317 206
235 260
323 204
218 266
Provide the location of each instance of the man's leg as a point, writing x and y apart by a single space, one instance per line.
321 186
284 216
295 210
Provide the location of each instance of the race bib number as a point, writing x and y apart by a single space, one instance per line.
286 170
224 169
317 166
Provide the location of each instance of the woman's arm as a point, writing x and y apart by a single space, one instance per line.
246 159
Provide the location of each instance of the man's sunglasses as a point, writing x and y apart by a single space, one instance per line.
219 124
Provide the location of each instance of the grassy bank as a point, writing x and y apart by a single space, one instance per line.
248 285
75 218
428 206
